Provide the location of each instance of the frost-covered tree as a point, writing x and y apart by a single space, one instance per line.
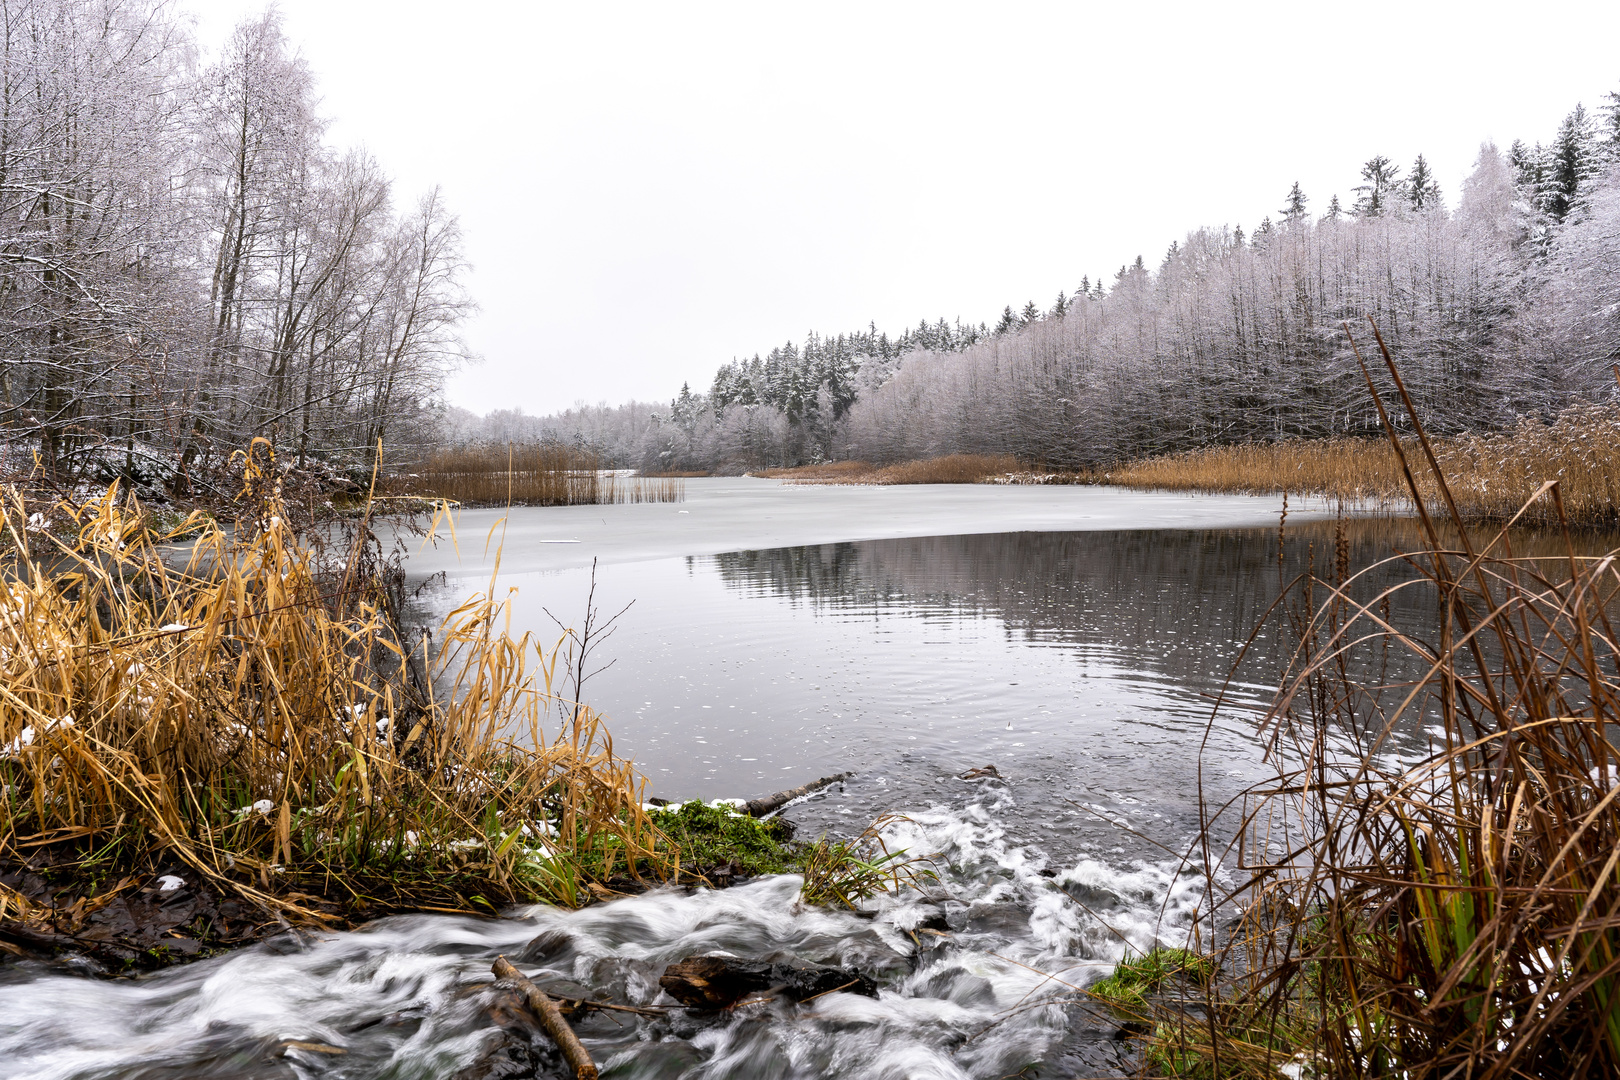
1529 164
1294 208
1581 290
1494 312
1572 162
1381 184
1491 203
94 314
185 263
1422 189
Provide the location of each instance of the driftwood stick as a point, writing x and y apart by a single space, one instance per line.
761 807
573 1052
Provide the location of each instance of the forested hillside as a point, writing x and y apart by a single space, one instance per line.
788 405
1501 300
186 263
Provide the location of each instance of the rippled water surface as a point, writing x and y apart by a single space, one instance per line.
1082 665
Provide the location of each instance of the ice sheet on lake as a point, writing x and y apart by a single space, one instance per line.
748 514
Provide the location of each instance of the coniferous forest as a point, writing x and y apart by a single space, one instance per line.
1502 300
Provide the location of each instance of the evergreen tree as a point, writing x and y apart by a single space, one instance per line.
1238 237
1263 233
1609 136
1060 308
1529 164
1382 182
1008 323
1031 314
1572 163
1294 209
1335 211
1422 189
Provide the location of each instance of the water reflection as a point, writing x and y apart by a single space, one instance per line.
1176 606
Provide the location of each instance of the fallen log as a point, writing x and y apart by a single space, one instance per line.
718 982
573 1051
771 803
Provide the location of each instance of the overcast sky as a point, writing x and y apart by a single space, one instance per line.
648 190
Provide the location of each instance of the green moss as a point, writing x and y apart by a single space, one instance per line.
710 837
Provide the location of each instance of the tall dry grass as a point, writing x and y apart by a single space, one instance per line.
1491 477
530 475
1362 472
250 711
951 469
1449 913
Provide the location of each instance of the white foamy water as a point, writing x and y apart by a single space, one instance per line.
409 996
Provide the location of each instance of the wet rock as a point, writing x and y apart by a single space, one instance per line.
545 946
983 772
962 987
717 982
1003 918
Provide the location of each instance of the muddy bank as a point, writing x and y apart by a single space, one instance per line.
59 914
139 923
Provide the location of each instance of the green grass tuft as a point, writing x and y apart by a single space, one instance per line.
1135 978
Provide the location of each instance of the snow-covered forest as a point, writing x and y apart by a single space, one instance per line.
187 263
1500 300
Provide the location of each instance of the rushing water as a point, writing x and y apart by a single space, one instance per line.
1082 664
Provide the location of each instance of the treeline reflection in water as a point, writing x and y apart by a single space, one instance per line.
1180 603
1180 606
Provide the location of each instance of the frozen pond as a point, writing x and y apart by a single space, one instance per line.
748 514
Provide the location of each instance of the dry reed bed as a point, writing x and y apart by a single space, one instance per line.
1491 476
1457 915
530 475
253 715
951 469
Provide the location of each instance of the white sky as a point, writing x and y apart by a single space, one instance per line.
648 190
